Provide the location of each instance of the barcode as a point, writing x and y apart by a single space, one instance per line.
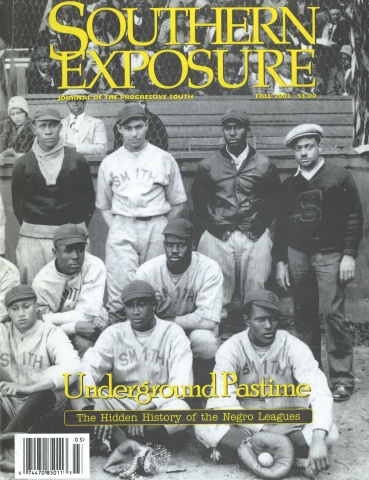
52 456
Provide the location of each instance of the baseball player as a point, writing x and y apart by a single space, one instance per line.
189 290
51 186
34 356
70 289
9 278
264 351
139 187
143 349
81 132
317 237
235 195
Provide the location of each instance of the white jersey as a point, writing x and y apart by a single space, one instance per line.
198 294
65 299
165 358
287 361
9 278
139 184
44 351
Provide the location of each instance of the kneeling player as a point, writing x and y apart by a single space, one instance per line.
263 351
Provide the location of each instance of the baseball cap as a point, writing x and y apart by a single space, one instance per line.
263 298
19 292
69 234
76 91
236 114
137 289
129 112
47 113
304 130
179 227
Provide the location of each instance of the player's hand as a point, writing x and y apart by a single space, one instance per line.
282 276
318 453
9 389
148 406
101 323
123 456
102 432
347 269
136 431
87 330
283 429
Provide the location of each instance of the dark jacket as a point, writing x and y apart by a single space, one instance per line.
71 200
225 199
11 137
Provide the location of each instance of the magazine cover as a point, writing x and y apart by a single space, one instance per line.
183 267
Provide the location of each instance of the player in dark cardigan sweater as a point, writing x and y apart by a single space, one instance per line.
317 235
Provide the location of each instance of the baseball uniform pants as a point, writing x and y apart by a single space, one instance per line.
320 297
130 243
240 257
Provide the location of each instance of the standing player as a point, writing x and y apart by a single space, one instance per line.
51 186
189 292
262 352
9 278
142 349
70 289
235 196
317 237
139 187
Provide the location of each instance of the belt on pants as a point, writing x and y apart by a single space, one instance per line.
143 219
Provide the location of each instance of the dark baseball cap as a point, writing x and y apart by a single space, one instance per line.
263 298
179 227
129 112
47 113
69 234
137 289
20 292
236 114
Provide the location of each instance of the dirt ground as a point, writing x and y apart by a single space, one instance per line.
349 459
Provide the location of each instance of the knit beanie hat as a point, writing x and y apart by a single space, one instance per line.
18 102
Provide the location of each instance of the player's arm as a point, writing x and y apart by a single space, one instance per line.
18 190
353 231
279 249
174 191
272 194
202 190
208 303
318 453
176 211
14 389
104 195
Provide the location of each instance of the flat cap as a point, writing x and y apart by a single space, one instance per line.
129 112
179 227
47 113
263 298
76 91
19 292
69 234
304 130
347 49
236 114
137 289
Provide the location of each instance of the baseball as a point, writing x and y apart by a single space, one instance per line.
265 459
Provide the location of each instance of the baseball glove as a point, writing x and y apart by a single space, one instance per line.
278 445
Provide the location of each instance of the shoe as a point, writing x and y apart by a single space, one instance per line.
341 394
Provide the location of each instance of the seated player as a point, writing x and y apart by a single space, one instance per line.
9 278
264 351
34 357
81 132
189 292
70 289
142 349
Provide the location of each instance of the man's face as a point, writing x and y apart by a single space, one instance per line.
307 152
140 312
178 251
345 60
254 67
23 314
69 258
181 20
235 134
334 15
134 134
263 325
44 64
76 107
47 133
